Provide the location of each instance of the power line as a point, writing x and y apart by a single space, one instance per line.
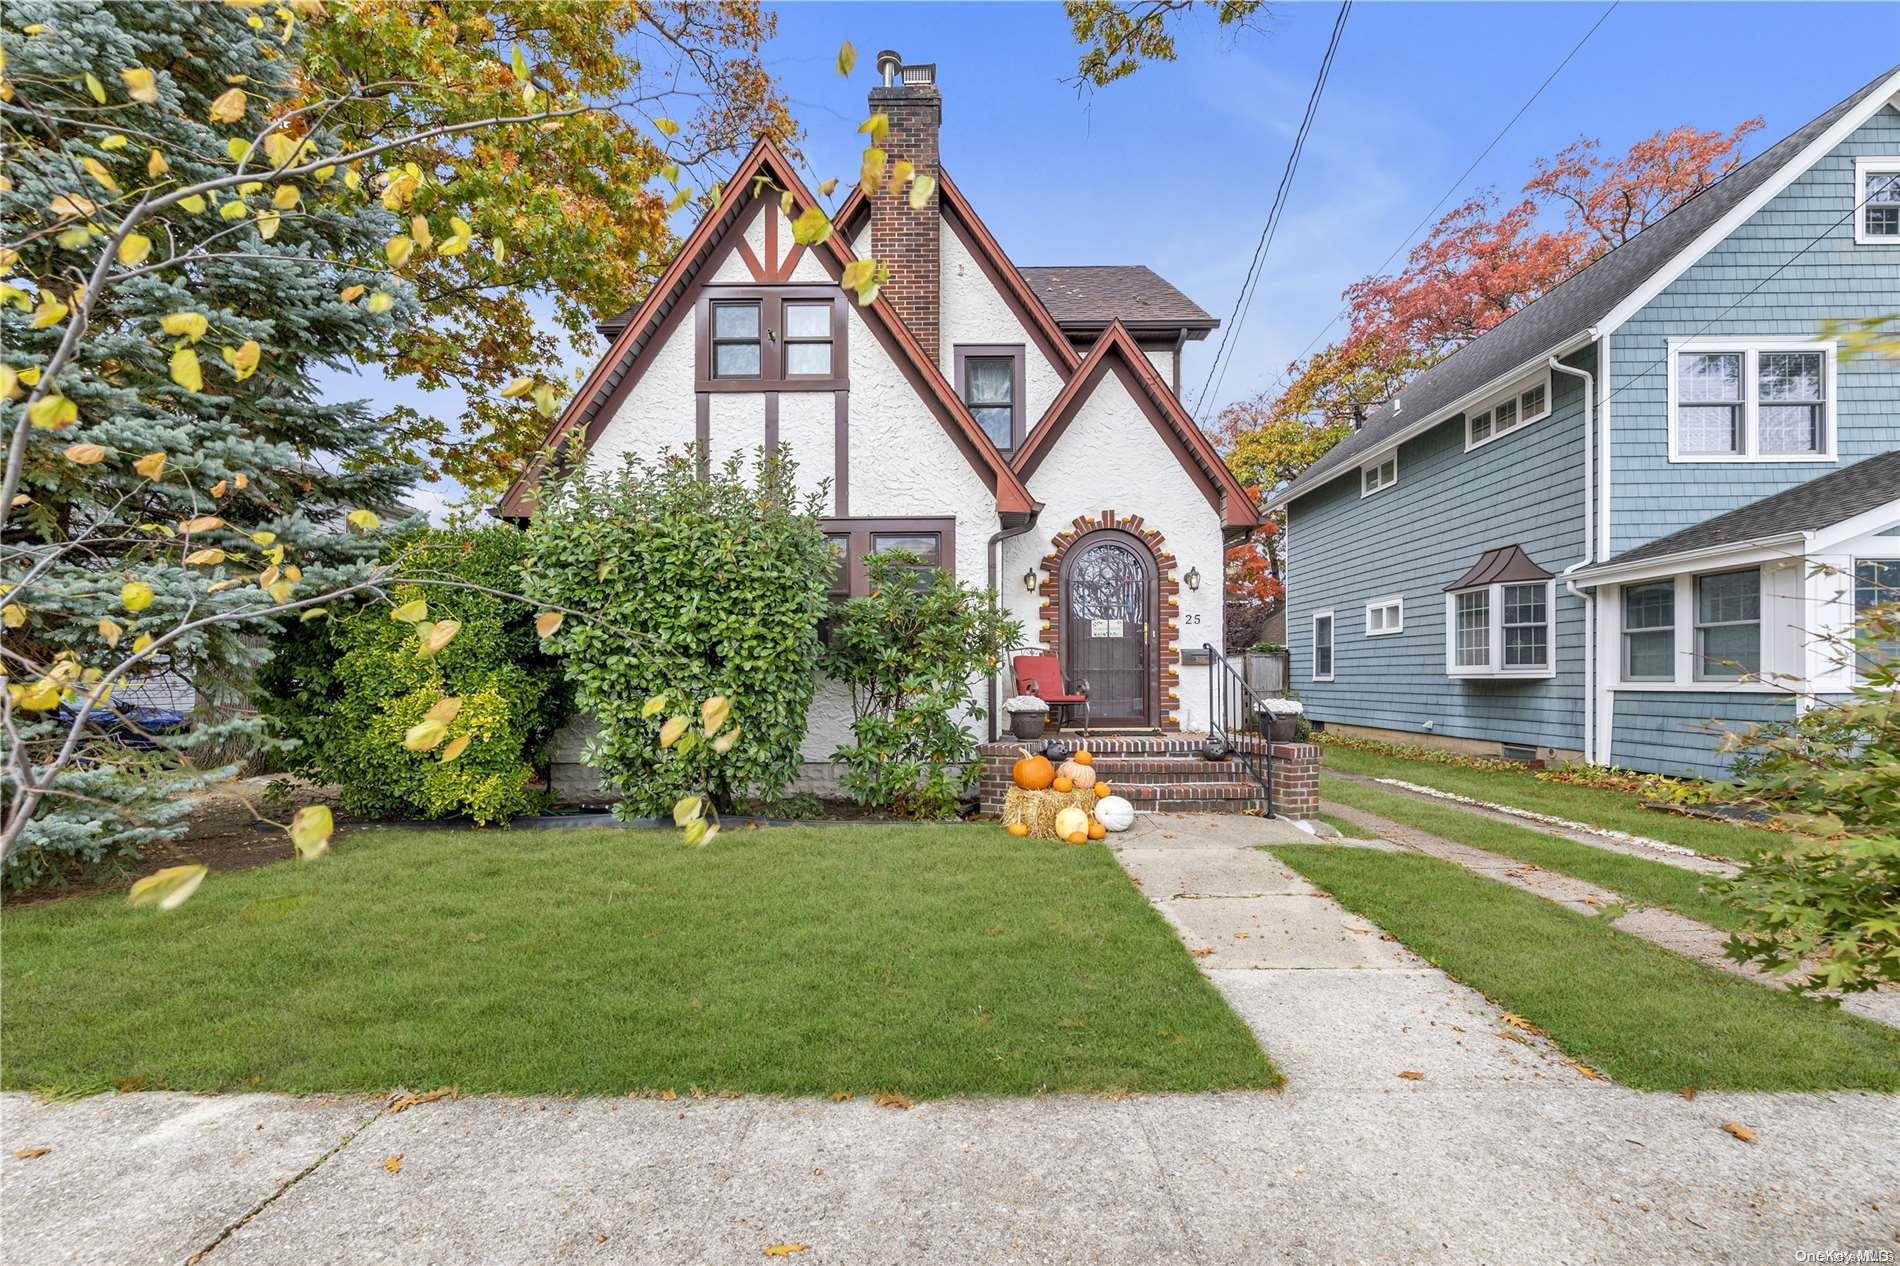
1466 173
1230 336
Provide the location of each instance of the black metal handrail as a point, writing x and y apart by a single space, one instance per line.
1231 703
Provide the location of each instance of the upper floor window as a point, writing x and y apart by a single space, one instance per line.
990 379
770 338
1765 401
1379 476
1522 405
1877 201
1385 616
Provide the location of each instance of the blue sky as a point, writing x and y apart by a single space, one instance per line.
1176 166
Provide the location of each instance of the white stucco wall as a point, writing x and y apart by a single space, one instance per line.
658 412
807 425
1163 361
732 269
1110 458
971 310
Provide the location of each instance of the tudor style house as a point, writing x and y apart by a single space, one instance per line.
1016 425
1626 518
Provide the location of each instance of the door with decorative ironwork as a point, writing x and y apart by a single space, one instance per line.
1108 628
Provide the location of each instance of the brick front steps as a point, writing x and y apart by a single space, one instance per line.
1169 774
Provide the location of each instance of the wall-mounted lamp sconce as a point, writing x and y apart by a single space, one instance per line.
1029 580
1193 578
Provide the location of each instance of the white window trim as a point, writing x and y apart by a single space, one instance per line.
1751 400
1515 393
1332 644
1496 670
1684 678
1853 610
1372 468
1397 602
1862 166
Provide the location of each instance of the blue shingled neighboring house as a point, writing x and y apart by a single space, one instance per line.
1593 532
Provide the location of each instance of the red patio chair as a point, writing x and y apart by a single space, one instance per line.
1041 675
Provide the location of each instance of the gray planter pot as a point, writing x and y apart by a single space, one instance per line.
1026 725
1283 728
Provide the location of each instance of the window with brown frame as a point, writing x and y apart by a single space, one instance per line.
770 338
852 540
990 379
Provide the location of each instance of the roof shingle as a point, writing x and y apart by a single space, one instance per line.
1095 294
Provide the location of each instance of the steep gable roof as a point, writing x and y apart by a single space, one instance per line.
1117 351
622 358
1095 294
1594 300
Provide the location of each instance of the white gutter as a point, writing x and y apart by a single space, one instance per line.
1589 552
1277 500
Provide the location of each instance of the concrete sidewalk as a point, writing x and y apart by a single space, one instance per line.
1491 1149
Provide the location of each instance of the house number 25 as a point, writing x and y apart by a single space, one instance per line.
1191 618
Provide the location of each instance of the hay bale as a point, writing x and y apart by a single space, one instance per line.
1037 809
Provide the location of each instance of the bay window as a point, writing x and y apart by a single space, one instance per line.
1728 625
1500 618
1761 401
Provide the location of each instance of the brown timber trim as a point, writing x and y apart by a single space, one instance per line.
771 422
771 301
1017 411
841 452
862 530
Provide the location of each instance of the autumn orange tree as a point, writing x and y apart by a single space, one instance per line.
575 217
1480 263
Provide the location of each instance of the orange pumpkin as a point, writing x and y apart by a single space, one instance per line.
1097 831
1063 783
1019 828
1080 837
1102 789
1032 773
1083 758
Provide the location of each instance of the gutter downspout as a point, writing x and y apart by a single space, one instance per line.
993 555
1589 554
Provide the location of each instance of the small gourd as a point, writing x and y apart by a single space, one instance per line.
1083 758
1080 776
1097 831
1080 837
1072 822
1019 828
1031 772
1102 789
1063 784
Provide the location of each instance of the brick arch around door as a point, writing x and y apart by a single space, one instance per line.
1163 650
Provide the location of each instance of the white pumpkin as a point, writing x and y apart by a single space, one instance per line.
1114 813
1071 821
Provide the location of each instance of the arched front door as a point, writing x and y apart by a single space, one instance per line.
1108 626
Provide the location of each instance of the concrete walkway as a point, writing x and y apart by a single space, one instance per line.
1492 1149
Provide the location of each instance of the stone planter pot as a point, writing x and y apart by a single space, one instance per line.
1026 725
1283 728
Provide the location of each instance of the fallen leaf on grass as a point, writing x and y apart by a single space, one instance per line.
1586 1070
28 1153
1412 1076
406 1102
1739 1130
840 1096
785 1250
891 1099
1517 1021
1687 1092
393 1164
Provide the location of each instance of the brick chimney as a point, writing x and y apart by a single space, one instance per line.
904 239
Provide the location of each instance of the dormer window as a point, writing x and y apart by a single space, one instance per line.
1523 404
1877 201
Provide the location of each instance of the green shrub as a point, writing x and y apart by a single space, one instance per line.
348 689
704 586
1833 896
910 652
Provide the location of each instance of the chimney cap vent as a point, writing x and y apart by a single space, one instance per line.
888 66
893 73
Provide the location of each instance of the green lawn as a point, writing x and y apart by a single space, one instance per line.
1615 810
1642 881
928 960
1644 1016
1345 828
